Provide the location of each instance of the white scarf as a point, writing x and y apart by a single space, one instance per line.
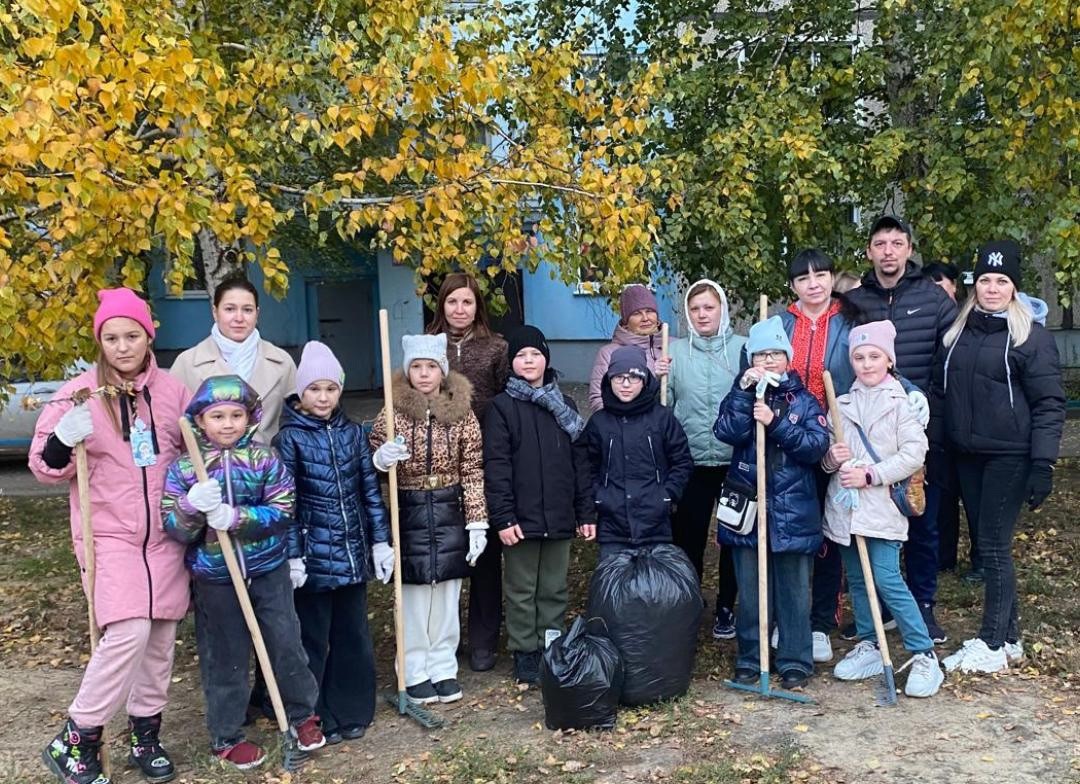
239 356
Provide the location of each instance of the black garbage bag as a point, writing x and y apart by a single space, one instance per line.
651 603
581 679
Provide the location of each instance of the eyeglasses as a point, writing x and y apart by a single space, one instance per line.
627 380
769 356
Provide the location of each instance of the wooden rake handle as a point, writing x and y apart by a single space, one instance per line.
762 531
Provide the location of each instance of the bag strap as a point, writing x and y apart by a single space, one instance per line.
866 443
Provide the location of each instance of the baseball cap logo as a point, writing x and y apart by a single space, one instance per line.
995 259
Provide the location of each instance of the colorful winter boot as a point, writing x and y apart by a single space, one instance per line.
146 750
74 756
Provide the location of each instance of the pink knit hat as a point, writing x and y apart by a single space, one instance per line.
318 363
877 333
634 298
121 302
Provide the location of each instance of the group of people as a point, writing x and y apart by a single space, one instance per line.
498 472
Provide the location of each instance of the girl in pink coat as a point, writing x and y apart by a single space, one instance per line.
141 588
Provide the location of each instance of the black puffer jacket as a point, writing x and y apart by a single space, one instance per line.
533 475
972 409
339 510
641 463
921 313
434 541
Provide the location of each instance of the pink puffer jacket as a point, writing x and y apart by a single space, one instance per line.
650 344
140 571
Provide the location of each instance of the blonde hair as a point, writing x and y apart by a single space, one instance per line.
1018 316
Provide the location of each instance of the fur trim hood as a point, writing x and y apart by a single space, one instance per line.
452 404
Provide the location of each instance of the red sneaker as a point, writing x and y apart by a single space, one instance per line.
309 735
242 755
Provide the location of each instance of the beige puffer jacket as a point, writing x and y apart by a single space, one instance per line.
900 443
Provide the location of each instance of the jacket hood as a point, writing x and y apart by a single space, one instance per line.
292 415
452 404
1039 309
226 389
725 311
643 402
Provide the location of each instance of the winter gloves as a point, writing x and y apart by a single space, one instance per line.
205 496
220 518
297 572
477 541
74 426
382 554
390 454
1040 482
919 406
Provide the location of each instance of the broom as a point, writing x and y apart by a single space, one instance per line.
292 756
885 692
401 700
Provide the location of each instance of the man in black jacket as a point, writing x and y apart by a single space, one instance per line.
895 289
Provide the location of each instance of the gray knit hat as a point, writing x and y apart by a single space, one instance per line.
431 347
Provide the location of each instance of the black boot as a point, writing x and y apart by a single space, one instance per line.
74 756
146 749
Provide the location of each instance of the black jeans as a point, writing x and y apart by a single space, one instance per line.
828 572
337 640
690 529
224 646
993 489
485 597
921 549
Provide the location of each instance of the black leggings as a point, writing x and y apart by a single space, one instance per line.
690 528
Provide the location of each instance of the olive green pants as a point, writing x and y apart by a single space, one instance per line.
534 587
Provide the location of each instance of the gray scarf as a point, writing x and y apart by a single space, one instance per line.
550 398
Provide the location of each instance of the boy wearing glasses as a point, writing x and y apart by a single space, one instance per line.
639 455
796 439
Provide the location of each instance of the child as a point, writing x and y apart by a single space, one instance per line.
796 439
250 495
538 490
639 455
879 406
340 525
443 516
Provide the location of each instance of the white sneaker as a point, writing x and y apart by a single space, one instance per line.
1014 652
975 656
822 647
926 676
863 661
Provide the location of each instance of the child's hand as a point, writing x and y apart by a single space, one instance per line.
477 541
390 454
751 377
512 535
221 518
587 531
297 572
205 496
762 413
382 557
853 477
839 454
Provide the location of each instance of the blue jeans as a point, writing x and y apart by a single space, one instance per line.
921 549
789 606
891 589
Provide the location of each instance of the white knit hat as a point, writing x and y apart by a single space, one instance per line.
317 363
431 347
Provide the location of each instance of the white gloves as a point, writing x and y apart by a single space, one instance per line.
382 554
220 518
74 426
477 541
389 454
919 406
297 572
205 496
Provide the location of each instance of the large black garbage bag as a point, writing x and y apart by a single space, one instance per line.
581 679
651 603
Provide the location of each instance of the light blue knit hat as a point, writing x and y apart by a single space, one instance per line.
768 335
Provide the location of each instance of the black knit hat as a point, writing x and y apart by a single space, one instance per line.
528 336
887 222
1000 256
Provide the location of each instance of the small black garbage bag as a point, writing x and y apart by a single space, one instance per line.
581 679
651 603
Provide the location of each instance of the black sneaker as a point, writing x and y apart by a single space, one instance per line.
793 679
937 634
74 756
481 660
745 676
146 750
448 690
353 731
422 693
724 627
973 576
333 737
527 667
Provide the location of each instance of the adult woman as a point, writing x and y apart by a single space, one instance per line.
639 325
1000 411
129 427
479 354
703 367
235 347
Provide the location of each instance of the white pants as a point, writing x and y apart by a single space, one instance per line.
432 631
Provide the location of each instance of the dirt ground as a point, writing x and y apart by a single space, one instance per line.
1020 727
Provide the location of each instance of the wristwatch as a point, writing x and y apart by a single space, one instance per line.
869 478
